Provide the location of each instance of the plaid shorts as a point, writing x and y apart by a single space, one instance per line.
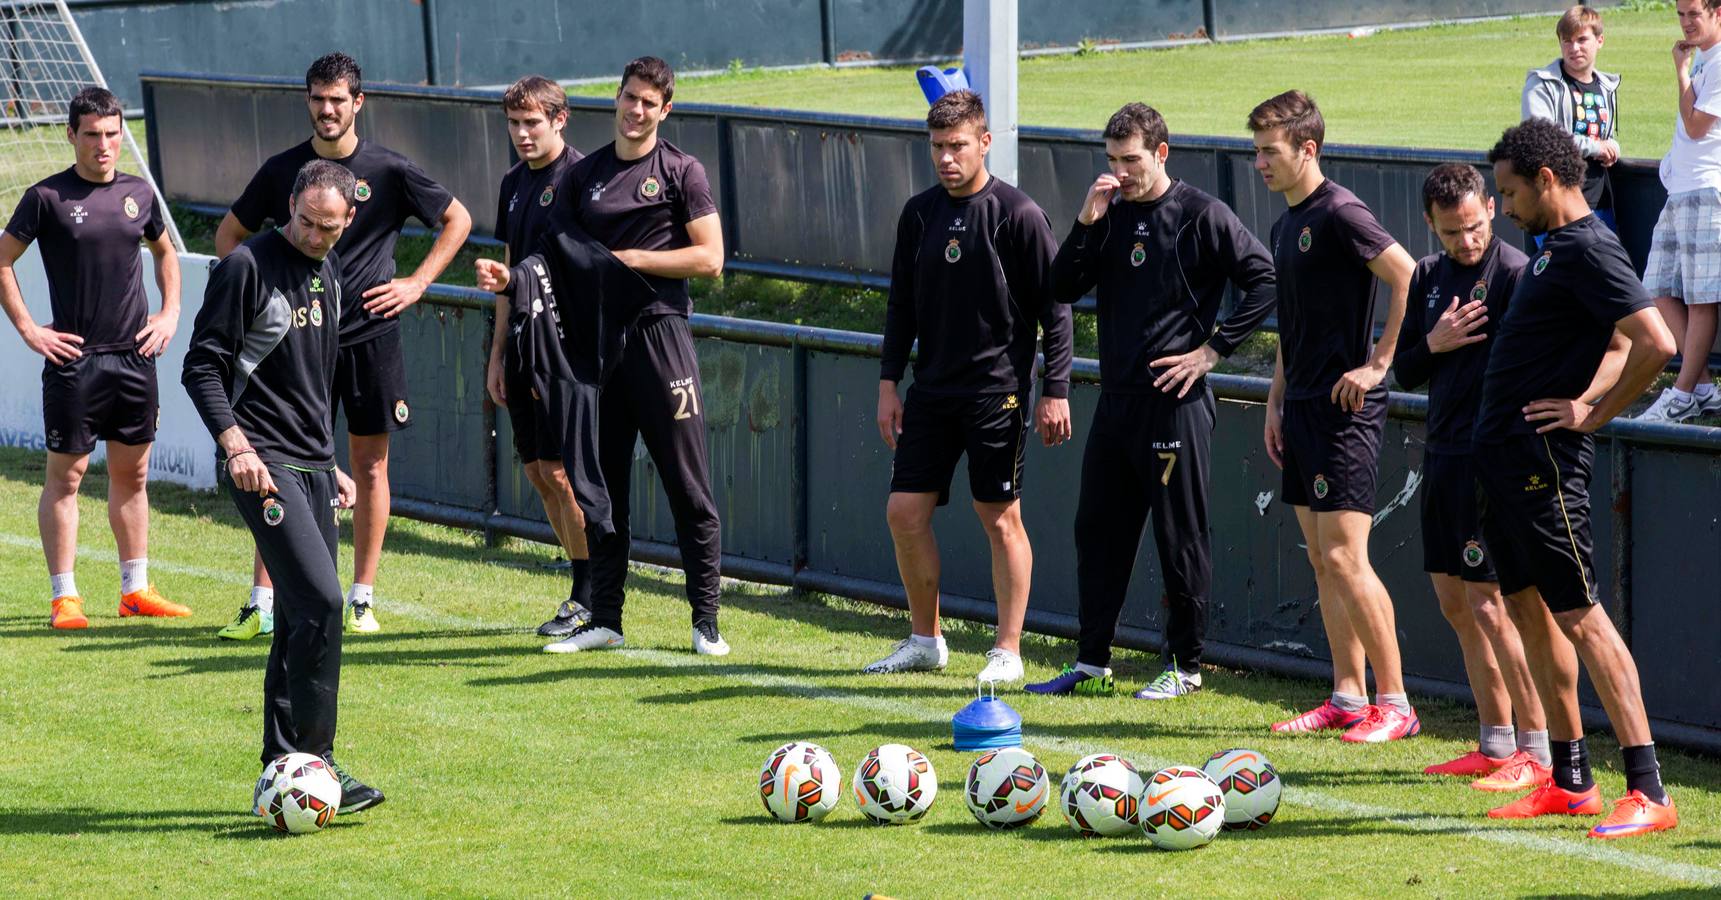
1685 253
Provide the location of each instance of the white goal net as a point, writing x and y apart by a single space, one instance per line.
44 62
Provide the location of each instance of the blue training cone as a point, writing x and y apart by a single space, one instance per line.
986 724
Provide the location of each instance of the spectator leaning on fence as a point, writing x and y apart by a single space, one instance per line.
1572 93
1683 273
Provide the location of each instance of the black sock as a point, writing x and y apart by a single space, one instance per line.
581 590
1643 773
1572 765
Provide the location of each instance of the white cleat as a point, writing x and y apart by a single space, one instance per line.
707 642
910 656
1001 666
586 637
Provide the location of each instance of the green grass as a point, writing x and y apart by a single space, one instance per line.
130 752
1448 86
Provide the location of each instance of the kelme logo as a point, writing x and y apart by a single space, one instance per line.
1138 255
1542 261
1472 554
273 512
953 251
1305 240
1011 402
1321 487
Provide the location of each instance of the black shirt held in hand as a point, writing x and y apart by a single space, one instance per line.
527 202
1558 325
1454 378
1321 251
1161 268
642 204
971 279
262 352
89 234
391 189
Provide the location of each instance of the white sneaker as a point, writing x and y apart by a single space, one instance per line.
1001 665
909 656
707 642
586 637
1670 408
1171 684
1708 404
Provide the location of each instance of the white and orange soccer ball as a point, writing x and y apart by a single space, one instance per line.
1100 796
894 784
1181 808
800 782
1006 788
297 793
1251 785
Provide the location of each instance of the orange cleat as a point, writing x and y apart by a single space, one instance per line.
1470 765
150 602
68 613
1636 814
1549 800
1521 772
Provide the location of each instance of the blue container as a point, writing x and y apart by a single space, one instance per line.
986 724
935 83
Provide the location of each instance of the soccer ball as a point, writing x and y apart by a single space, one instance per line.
894 784
800 782
1251 785
1181 809
1006 788
297 793
1100 794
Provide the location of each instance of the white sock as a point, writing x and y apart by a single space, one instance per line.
1400 702
936 642
1095 671
263 599
360 593
1705 389
134 575
64 585
1678 394
1349 702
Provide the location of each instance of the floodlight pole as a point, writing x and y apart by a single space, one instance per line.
989 51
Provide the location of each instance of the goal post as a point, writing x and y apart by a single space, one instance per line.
44 62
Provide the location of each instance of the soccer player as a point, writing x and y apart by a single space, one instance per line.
370 382
1326 409
261 371
98 383
1572 92
537 111
1683 272
1459 296
1581 340
971 279
650 203
1162 254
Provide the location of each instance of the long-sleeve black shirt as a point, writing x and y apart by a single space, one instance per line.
1161 268
1454 378
262 353
971 279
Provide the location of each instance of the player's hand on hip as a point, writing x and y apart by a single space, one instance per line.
1352 389
1457 326
249 473
889 413
493 276
152 341
1052 420
493 383
389 300
1099 198
1273 436
60 347
346 492
1552 415
1184 370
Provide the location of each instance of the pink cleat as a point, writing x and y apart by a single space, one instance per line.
1325 717
1381 724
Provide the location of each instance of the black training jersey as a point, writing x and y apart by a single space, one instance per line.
391 189
1454 378
1321 251
527 202
1558 325
642 204
1161 268
971 279
263 350
89 234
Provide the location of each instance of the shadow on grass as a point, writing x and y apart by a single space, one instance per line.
81 820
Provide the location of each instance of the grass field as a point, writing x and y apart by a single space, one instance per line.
130 751
1448 86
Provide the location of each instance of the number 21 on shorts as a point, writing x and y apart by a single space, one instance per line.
686 398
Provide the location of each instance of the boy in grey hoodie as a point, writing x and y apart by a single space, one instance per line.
1572 93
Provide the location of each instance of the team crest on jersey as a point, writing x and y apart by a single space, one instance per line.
273 512
953 250
1138 255
1305 240
1321 487
361 190
1542 261
1473 554
1479 292
317 313
1011 402
130 208
548 196
649 188
401 412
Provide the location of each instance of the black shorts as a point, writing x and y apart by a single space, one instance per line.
992 429
1452 541
99 397
537 428
1332 457
370 384
1536 515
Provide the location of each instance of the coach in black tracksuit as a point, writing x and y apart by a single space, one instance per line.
260 371
1161 254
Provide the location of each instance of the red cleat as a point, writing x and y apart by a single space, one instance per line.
1383 723
1520 773
1471 765
1325 717
1635 814
1549 800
